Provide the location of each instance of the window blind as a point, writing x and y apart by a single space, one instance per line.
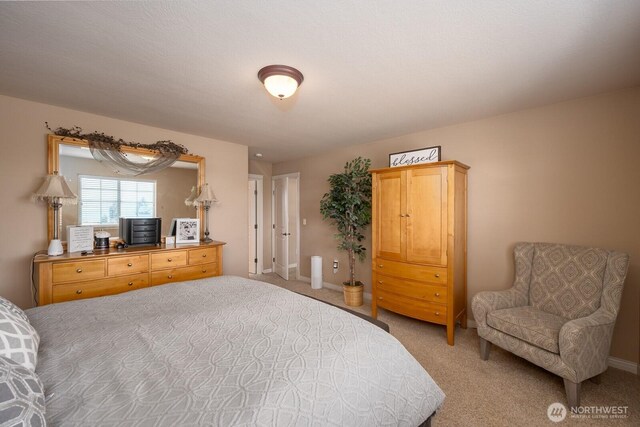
104 200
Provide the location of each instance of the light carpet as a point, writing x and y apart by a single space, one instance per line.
503 391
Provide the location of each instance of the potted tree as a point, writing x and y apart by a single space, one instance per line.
348 206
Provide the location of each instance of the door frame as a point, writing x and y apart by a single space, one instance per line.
296 176
259 220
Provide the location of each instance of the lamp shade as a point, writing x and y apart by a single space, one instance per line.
206 196
280 81
190 201
55 187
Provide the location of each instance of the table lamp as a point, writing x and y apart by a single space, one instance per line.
54 190
205 199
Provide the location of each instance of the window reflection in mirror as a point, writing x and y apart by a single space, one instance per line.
104 196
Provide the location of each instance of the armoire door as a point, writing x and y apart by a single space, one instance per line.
390 215
426 216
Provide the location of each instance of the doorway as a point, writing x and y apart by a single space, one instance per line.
286 225
255 198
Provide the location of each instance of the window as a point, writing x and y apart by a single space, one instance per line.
104 200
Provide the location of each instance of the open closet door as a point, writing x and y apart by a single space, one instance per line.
281 226
253 227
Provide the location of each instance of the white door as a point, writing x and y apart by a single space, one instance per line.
253 227
281 226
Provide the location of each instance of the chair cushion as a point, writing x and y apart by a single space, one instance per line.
529 324
567 280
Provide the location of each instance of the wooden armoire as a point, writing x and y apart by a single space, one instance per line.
419 248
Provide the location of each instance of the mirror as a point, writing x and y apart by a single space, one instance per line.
159 194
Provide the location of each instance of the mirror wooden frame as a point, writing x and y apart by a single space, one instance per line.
53 165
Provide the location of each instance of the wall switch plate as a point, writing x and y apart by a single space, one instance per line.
304 221
335 266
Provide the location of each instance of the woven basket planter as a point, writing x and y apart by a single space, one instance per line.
353 295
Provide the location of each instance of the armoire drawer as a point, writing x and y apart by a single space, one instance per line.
128 265
424 310
425 273
184 273
410 288
78 271
99 288
203 256
169 259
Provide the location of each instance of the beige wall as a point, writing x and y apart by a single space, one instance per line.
23 225
564 173
173 185
258 167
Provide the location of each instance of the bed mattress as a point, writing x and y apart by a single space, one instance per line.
224 351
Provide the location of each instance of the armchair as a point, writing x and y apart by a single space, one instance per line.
560 312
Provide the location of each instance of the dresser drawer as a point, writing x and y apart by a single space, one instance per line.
99 288
412 289
203 256
426 273
127 265
77 271
184 273
169 259
423 310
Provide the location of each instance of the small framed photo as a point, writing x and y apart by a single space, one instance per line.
187 230
415 157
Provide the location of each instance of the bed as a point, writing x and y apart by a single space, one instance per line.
224 351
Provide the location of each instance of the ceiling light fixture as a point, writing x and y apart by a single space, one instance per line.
280 81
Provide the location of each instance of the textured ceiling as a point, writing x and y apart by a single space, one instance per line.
373 69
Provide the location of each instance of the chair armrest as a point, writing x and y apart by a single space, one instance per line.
485 302
584 343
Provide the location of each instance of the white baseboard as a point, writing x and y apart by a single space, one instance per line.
366 295
623 365
268 270
614 362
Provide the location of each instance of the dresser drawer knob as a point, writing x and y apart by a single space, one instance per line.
437 313
380 281
380 298
437 294
129 264
204 271
130 283
79 270
204 255
169 259
380 265
79 291
437 274
170 276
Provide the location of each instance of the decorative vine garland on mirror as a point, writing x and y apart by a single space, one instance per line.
166 146
108 150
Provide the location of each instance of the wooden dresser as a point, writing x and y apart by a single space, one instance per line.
73 276
419 254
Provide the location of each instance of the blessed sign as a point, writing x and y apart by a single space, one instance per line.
415 157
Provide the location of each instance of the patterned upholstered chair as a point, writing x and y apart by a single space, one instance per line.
560 312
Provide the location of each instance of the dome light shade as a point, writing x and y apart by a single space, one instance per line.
280 81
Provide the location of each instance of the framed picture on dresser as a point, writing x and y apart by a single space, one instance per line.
187 230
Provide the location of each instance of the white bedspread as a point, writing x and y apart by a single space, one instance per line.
224 351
